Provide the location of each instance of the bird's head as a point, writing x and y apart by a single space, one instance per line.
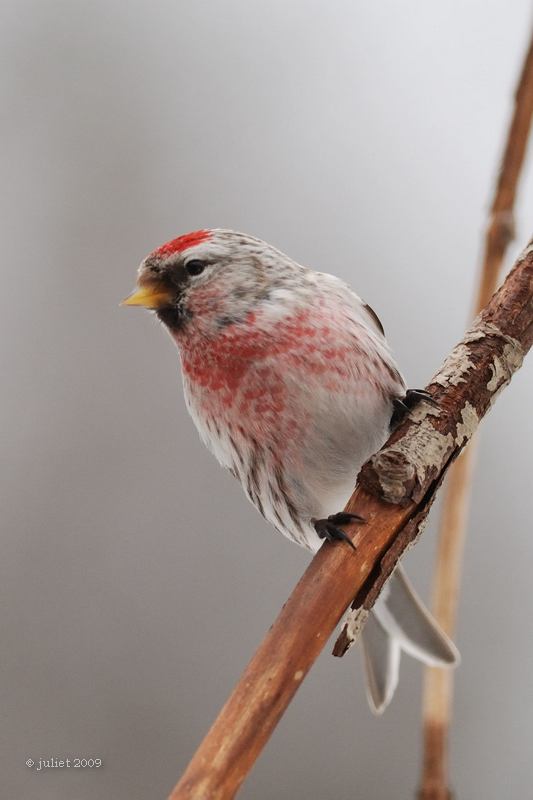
210 278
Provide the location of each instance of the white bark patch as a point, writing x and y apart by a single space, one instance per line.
423 410
455 368
467 425
480 329
458 363
421 449
504 366
354 622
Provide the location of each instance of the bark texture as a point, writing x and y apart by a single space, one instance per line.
438 684
411 465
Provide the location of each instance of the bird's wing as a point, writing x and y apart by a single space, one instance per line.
373 318
364 312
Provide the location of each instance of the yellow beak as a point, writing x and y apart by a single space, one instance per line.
150 296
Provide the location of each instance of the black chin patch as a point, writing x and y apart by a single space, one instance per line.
174 317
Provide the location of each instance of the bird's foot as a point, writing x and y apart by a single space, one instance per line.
403 405
327 528
414 396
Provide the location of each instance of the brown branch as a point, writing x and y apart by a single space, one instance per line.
397 487
438 685
500 231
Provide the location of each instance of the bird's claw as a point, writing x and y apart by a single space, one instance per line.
327 528
344 517
419 394
403 405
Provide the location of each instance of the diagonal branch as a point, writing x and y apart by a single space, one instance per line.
396 489
500 231
438 684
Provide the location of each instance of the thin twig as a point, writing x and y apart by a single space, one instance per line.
438 685
396 488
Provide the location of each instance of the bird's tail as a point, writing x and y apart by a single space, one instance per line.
400 621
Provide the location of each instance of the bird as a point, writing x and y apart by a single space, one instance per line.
292 386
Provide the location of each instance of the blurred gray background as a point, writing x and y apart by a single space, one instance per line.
135 578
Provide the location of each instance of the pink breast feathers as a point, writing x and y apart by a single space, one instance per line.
241 374
294 343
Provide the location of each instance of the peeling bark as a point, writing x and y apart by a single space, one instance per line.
438 684
412 464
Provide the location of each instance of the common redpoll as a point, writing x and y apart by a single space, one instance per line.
291 384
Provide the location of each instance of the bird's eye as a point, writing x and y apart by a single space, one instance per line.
195 266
